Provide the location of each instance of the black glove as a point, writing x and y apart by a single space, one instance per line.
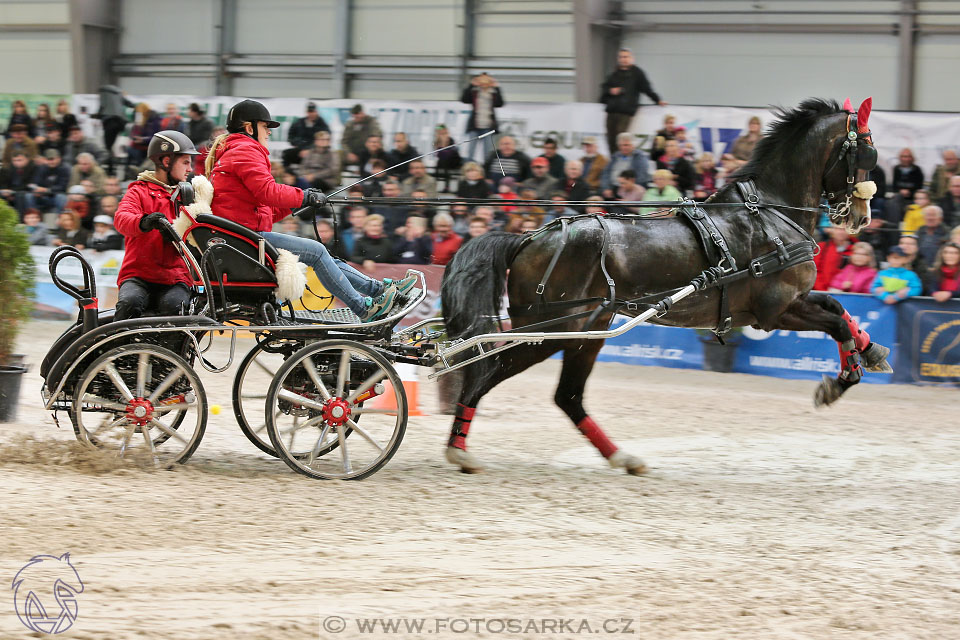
152 221
313 198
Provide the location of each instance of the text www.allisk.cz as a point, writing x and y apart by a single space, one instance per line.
526 626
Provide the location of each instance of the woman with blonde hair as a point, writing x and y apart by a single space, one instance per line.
472 185
859 273
146 123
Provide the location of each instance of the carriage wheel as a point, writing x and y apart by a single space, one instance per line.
141 400
317 399
254 375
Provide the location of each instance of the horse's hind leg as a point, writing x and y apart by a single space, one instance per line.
478 380
818 311
578 361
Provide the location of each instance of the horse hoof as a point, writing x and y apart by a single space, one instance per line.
632 464
464 460
828 392
874 358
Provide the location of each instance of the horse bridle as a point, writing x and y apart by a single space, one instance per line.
858 151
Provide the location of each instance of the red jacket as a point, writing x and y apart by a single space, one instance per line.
829 263
444 248
148 255
243 187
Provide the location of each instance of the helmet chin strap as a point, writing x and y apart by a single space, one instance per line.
166 169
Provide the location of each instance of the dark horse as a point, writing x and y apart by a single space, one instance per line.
804 155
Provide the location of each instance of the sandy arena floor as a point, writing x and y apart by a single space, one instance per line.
761 518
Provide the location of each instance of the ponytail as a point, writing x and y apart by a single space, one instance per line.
210 161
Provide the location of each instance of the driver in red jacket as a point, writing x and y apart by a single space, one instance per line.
245 192
153 274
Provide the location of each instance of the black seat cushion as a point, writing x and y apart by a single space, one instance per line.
229 225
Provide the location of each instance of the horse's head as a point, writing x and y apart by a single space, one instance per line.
41 584
852 156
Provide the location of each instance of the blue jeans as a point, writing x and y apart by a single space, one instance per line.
340 279
486 145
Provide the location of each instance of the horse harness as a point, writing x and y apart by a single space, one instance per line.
724 272
859 153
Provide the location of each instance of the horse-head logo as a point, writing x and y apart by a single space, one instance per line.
45 593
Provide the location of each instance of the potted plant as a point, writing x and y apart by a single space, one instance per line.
716 356
16 302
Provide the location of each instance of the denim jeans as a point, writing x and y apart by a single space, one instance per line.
340 279
486 145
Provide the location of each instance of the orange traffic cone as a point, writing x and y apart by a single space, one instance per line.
408 375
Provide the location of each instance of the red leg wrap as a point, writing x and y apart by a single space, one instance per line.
850 369
461 426
597 437
860 337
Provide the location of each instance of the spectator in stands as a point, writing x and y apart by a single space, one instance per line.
108 206
79 202
15 179
495 219
621 95
448 160
145 123
674 161
420 181
113 117
555 159
402 151
112 187
523 210
355 134
706 173
561 209
69 231
372 150
833 256
686 147
907 177
485 97
50 182
913 215
932 234
321 165
77 144
950 202
86 168
859 273
506 190
662 189
478 226
529 223
667 132
373 246
596 209
302 134
64 118
472 185
173 121
326 235
541 181
38 235
915 262
629 190
199 160
421 208
52 139
742 147
394 215
290 226
573 185
20 116
626 157
955 234
199 126
43 120
104 236
941 174
879 177
945 276
896 282
509 163
357 218
593 163
18 142
413 246
461 219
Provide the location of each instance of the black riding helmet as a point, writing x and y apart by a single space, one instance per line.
169 143
249 111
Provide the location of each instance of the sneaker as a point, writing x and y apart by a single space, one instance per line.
402 286
379 307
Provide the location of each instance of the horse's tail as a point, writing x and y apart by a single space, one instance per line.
474 283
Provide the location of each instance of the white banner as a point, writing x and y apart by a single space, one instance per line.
709 128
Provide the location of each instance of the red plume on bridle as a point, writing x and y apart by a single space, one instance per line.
863 114
847 106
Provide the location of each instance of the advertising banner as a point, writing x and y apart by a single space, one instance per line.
929 341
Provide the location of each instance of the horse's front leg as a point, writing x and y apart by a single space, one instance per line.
821 312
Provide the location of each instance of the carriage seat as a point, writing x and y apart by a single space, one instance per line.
238 229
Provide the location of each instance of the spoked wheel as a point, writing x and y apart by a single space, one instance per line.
141 400
254 376
327 392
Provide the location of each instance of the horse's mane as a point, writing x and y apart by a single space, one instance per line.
783 135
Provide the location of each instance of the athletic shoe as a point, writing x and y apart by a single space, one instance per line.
404 285
379 307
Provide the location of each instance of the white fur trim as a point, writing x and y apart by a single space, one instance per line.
181 224
291 276
202 197
202 190
865 190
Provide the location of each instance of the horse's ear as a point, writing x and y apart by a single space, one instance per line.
863 115
847 106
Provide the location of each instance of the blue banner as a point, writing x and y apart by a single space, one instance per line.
929 333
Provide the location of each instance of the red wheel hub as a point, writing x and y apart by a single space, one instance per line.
139 411
336 411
